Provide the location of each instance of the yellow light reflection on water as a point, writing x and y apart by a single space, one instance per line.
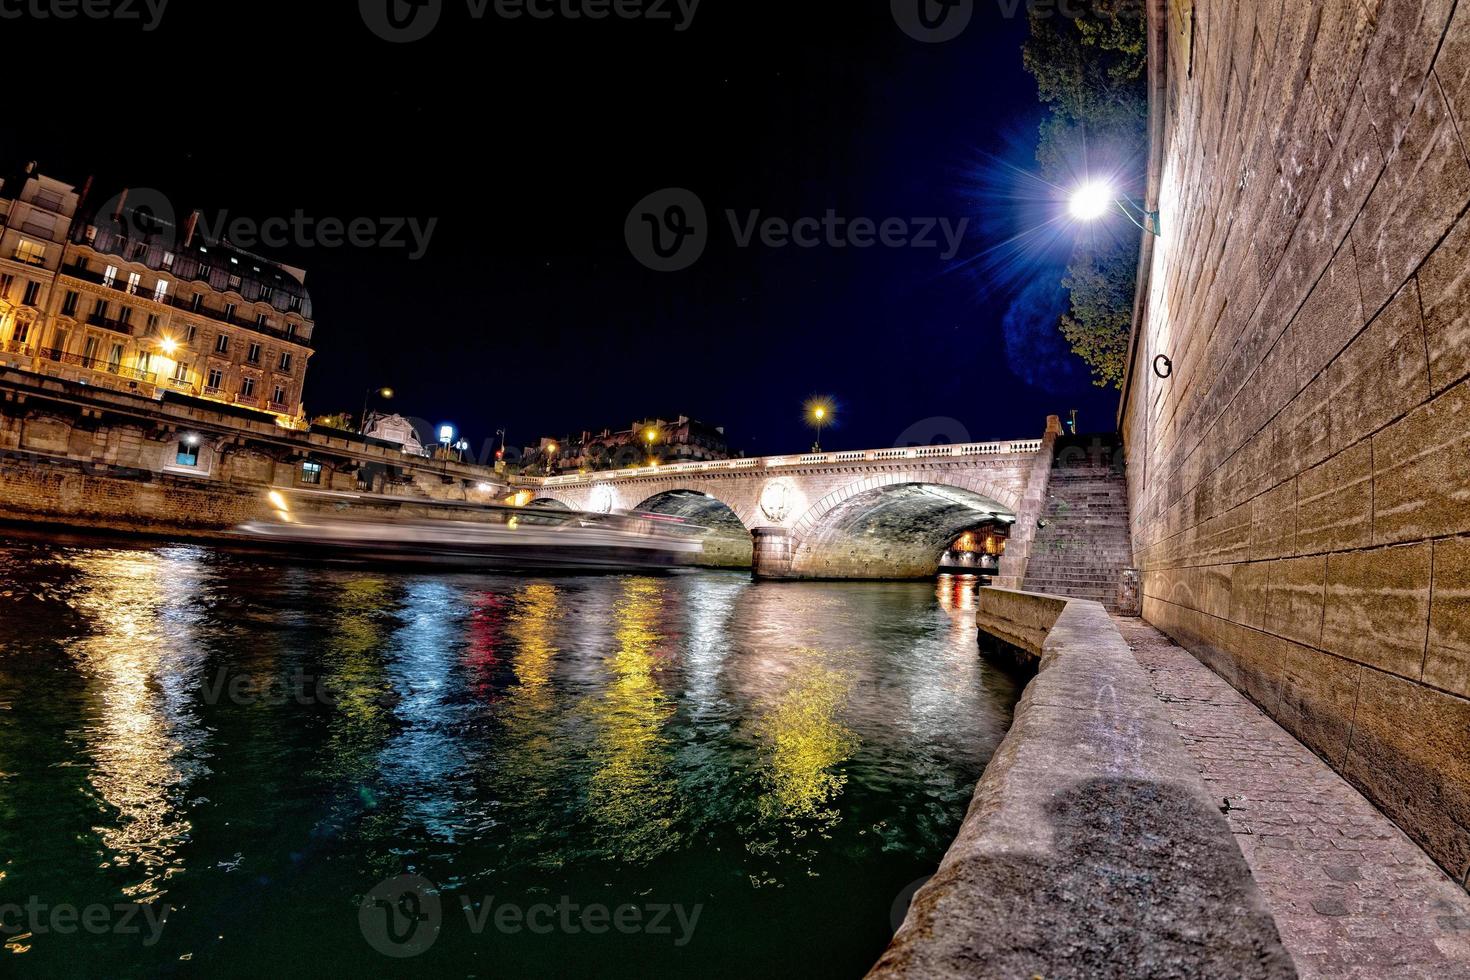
631 794
139 659
354 675
806 744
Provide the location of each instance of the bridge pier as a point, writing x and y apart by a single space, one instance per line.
775 547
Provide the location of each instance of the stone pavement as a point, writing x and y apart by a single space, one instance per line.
1352 895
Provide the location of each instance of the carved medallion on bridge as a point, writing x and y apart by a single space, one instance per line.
776 500
601 500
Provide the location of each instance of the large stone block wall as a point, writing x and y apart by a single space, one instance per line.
1300 486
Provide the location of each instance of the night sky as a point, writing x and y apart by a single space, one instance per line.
531 141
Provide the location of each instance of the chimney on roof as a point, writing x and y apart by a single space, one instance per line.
189 228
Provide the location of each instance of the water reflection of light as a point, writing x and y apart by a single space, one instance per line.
630 794
957 592
806 743
424 761
530 702
352 670
142 663
709 604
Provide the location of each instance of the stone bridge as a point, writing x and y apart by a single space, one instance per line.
865 514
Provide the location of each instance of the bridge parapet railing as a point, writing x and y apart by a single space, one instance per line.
808 459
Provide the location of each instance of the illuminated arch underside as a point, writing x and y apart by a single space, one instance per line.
726 544
898 531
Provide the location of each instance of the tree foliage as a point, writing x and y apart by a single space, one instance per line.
1090 73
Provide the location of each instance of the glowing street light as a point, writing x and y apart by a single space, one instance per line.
1096 198
169 346
819 413
384 393
1091 201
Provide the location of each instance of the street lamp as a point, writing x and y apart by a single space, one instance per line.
1096 198
384 393
551 448
818 413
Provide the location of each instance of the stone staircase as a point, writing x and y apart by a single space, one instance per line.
1085 546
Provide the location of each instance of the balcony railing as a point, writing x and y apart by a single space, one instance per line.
107 323
15 347
29 259
181 303
96 364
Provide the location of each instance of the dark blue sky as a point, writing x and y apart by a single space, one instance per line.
531 141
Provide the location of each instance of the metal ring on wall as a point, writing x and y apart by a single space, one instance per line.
1167 369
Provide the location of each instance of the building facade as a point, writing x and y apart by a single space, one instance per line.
126 301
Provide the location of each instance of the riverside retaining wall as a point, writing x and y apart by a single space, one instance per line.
1092 847
1300 483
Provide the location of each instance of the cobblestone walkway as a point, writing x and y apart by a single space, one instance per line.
1352 896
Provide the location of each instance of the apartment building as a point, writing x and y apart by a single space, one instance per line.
122 298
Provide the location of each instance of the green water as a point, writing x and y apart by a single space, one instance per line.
332 770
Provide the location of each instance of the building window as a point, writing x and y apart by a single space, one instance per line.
311 473
109 276
279 395
190 332
151 329
266 292
33 293
247 387
125 315
181 372
114 358
22 331
89 351
135 280
31 253
140 249
285 361
253 354
261 320
160 291
197 302
222 344
145 361
6 281
99 310
168 260
188 451
216 379
69 304
291 330
229 311
294 304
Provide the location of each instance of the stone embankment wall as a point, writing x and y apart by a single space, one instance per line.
1300 483
73 456
1092 847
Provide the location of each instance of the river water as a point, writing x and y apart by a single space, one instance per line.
215 765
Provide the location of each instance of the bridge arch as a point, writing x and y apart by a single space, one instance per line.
894 525
549 503
727 542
